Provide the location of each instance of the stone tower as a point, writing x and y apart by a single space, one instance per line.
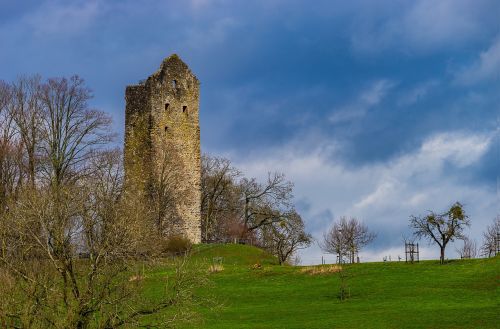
162 147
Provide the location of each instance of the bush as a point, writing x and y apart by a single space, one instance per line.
176 245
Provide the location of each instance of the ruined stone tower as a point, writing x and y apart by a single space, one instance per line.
162 147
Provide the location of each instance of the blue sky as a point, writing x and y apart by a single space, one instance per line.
375 109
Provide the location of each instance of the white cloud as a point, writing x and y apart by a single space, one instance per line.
461 149
363 103
486 67
383 195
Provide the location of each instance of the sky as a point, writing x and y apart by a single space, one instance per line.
374 109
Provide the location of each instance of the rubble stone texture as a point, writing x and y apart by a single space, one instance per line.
162 134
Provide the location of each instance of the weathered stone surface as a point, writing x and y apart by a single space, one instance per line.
162 115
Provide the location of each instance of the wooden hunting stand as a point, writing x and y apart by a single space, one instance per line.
411 252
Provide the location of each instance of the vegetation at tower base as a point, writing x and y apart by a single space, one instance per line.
73 244
162 147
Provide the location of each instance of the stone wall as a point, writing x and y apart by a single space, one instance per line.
162 135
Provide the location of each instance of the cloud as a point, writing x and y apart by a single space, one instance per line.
383 195
484 68
363 103
280 83
63 18
423 25
463 150
212 35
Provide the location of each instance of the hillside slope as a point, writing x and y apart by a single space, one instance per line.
459 294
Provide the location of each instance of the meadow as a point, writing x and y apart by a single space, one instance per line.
249 289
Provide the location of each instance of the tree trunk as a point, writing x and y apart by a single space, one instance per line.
441 259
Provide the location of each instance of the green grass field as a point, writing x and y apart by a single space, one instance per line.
459 294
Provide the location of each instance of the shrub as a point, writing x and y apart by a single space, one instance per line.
176 245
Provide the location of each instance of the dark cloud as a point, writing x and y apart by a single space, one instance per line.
377 79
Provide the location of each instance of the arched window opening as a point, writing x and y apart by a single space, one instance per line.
166 106
184 109
174 84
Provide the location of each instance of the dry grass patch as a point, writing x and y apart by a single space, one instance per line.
136 278
216 268
256 266
321 269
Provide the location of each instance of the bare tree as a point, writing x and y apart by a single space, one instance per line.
283 239
468 249
219 201
357 236
26 111
491 238
70 130
441 228
334 242
346 238
11 173
264 204
73 208
166 190
48 231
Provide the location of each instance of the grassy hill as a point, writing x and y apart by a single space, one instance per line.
459 294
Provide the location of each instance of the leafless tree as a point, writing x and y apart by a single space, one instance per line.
283 239
70 129
264 204
357 235
219 200
166 190
468 249
71 237
491 238
26 111
346 238
45 236
11 174
441 228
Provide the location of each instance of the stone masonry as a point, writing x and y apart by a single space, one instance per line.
162 135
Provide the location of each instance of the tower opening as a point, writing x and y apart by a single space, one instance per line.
184 109
174 84
166 106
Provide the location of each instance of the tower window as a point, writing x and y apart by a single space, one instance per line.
166 128
174 83
166 106
184 109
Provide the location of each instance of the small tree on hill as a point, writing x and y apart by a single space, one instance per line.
491 236
346 238
263 204
284 238
441 228
468 249
219 198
